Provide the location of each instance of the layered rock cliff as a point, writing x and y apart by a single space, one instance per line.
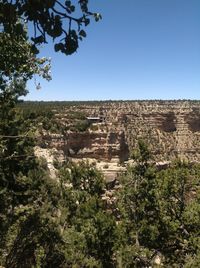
98 145
171 128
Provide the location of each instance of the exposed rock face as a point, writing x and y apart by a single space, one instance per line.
98 145
163 121
171 128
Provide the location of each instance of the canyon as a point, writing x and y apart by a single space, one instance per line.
170 128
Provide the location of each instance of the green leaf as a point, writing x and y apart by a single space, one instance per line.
97 16
82 33
72 8
58 47
68 3
38 39
87 21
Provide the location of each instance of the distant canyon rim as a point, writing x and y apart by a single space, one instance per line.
170 128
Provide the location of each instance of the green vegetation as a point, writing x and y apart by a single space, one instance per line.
61 224
81 126
65 222
106 166
61 21
159 214
45 117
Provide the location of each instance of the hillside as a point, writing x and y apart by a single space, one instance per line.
109 130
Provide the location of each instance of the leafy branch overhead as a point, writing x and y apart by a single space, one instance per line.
62 21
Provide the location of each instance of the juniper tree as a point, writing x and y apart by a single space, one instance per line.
159 214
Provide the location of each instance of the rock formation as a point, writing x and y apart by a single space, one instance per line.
171 128
97 145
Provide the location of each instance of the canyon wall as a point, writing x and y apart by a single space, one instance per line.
171 128
99 145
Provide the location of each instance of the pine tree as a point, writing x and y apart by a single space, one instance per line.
160 214
138 227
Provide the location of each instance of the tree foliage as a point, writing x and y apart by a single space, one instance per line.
159 214
62 21
17 59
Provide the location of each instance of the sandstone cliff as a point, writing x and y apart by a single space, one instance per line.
98 145
171 128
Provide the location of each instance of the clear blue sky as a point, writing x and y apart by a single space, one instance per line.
142 49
